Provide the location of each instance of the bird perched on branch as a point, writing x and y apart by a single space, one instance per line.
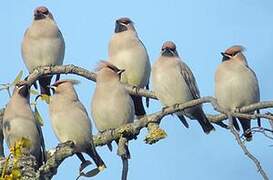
43 45
236 85
19 122
111 104
126 51
70 121
173 83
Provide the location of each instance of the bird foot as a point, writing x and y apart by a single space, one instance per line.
164 108
90 173
84 165
237 110
136 88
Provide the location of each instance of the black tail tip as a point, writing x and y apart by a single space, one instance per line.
139 108
208 128
183 120
206 125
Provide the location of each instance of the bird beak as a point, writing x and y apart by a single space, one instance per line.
225 56
38 16
168 52
120 27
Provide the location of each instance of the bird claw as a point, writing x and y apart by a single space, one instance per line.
84 165
90 173
237 110
164 108
136 88
176 105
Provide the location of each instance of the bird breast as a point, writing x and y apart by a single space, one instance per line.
129 53
42 47
111 107
236 86
169 84
21 126
70 121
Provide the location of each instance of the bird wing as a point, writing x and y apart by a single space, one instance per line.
43 150
190 80
82 108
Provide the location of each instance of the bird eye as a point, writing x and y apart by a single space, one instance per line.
125 21
113 68
45 12
235 53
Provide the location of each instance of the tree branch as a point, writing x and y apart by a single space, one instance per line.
61 152
247 153
131 131
72 69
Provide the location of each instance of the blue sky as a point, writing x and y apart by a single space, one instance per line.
201 30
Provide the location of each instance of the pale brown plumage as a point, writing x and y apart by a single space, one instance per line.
236 85
126 51
42 45
111 104
173 83
70 120
19 122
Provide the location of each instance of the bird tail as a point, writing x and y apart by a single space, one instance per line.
124 153
183 120
43 155
259 119
235 124
57 77
246 125
203 120
41 158
125 167
139 108
44 83
92 152
2 154
222 124
147 98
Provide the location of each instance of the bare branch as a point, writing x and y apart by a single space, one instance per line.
62 151
262 130
247 153
27 165
131 131
72 69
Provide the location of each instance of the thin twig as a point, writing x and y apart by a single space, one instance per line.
247 153
263 131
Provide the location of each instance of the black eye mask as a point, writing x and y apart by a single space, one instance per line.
24 91
120 27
